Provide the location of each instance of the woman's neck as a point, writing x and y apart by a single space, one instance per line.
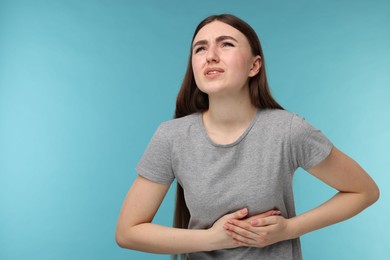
228 117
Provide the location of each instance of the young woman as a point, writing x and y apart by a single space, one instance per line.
233 151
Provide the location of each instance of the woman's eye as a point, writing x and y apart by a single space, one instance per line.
227 44
199 49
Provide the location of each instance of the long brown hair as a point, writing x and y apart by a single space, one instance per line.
191 100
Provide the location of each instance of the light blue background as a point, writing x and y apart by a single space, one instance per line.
84 84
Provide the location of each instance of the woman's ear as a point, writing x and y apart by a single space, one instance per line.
256 65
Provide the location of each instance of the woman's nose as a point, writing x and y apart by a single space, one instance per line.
212 54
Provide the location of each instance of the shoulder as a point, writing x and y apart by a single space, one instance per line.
276 118
277 121
276 114
178 126
169 133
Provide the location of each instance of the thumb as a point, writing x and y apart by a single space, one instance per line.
239 214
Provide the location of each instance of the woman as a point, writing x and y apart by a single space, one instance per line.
233 150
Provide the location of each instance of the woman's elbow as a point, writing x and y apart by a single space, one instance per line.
120 238
374 194
371 192
123 239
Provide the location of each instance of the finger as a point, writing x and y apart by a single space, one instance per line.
240 243
264 221
240 240
240 223
272 212
241 236
239 214
268 213
241 227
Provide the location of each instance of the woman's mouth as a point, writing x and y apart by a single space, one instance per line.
213 72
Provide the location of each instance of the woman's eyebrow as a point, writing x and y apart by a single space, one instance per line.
219 39
225 37
201 42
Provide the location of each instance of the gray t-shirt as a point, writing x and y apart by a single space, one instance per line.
255 172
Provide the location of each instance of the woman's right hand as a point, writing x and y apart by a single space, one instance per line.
218 231
220 240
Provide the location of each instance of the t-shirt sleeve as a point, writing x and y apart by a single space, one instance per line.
309 146
155 163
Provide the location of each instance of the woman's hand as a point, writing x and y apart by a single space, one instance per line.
221 239
260 230
272 212
223 236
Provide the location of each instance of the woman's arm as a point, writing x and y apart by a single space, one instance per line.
356 189
135 230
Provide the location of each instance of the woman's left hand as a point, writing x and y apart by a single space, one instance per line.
259 232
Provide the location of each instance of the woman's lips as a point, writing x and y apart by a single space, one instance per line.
213 72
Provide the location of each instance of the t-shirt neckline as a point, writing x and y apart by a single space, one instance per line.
244 134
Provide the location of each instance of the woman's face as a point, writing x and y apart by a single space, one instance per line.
222 59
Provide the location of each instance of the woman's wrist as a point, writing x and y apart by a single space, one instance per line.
294 229
209 244
211 240
217 239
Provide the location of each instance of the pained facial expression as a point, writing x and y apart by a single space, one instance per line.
222 59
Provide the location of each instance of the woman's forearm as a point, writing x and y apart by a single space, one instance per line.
153 238
135 229
342 206
263 232
357 192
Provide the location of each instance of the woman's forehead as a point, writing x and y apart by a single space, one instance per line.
216 29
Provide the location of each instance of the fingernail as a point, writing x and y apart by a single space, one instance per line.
254 222
244 211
